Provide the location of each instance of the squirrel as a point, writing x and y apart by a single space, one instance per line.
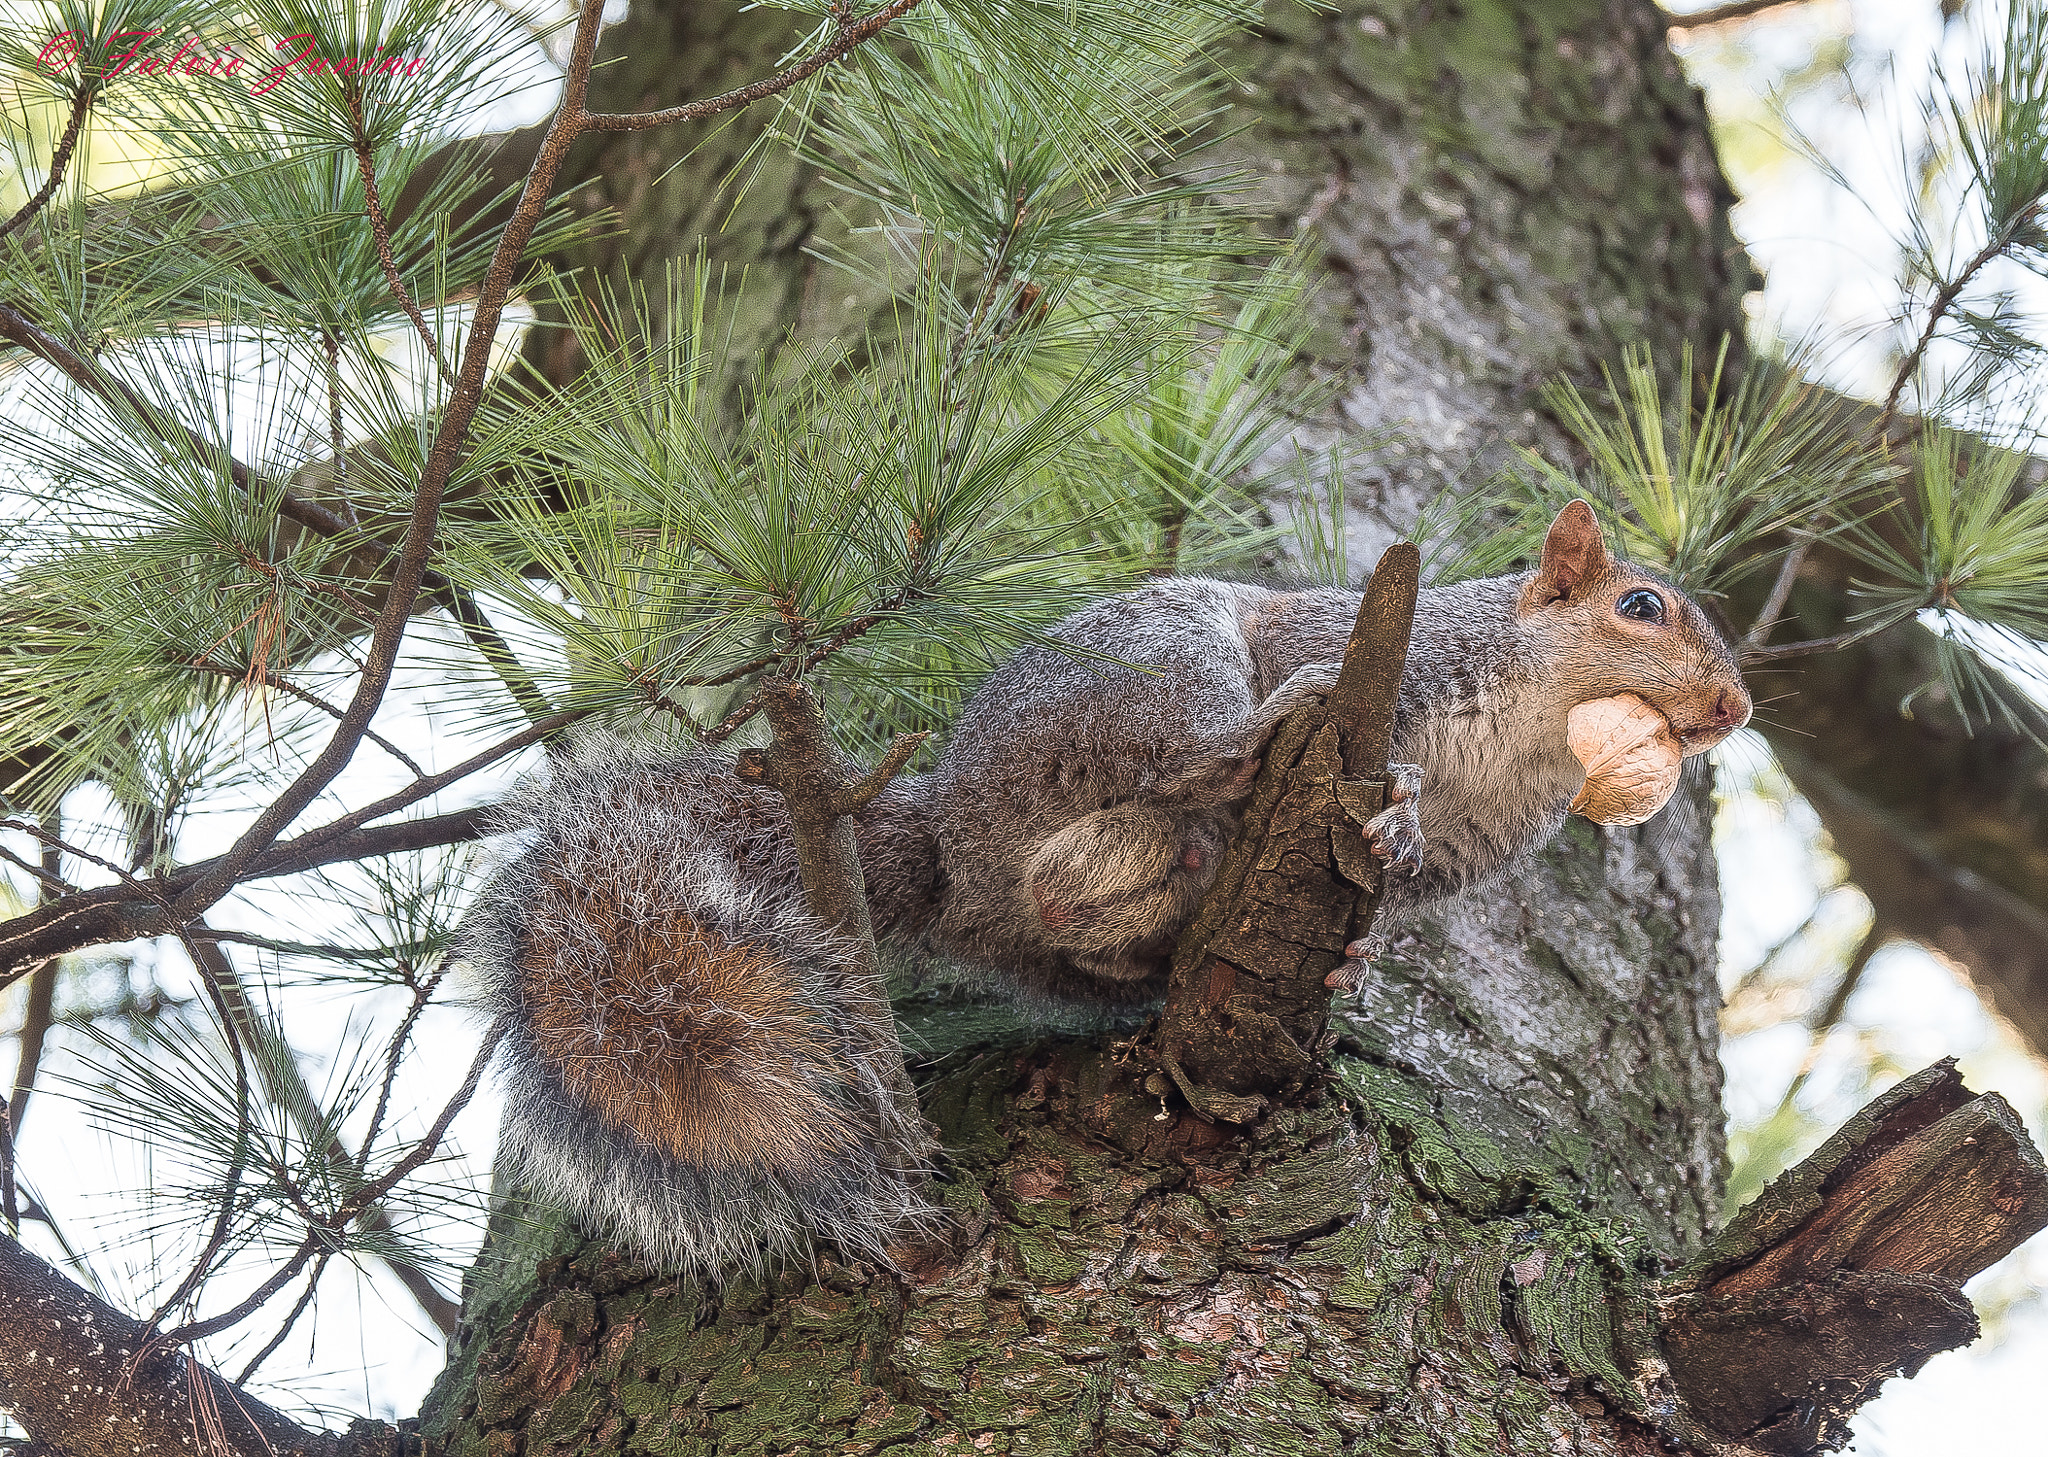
687 1074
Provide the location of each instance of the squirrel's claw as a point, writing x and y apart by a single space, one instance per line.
1358 959
1395 833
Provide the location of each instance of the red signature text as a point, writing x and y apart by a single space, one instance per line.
142 57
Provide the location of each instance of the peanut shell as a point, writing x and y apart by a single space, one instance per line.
1631 758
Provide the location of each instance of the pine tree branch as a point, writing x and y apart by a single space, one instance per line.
1937 311
117 1395
285 686
325 1229
380 228
314 517
844 39
80 105
286 1087
27 334
115 913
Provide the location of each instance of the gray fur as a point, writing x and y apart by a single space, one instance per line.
1063 840
687 827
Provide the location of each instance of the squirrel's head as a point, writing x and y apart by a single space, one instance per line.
1608 627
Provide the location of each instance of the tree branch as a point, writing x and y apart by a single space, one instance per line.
844 40
380 229
1247 999
80 105
1943 826
1734 10
1849 1268
29 335
115 1397
115 913
286 1087
284 685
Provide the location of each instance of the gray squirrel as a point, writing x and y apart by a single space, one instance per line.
686 1073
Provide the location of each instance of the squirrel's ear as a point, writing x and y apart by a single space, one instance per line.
1574 553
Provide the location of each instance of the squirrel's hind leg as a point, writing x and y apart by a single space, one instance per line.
1220 768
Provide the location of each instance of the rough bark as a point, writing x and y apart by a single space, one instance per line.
1849 1268
1451 1245
1444 1251
79 1375
1248 997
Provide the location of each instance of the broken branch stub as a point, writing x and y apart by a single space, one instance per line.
1246 1003
1849 1268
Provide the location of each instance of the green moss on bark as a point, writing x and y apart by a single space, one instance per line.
1442 1255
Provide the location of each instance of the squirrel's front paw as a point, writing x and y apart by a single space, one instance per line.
1358 959
1395 833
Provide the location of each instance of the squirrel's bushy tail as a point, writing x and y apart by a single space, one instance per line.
685 1072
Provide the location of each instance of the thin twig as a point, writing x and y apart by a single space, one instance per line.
284 685
380 229
50 839
287 1088
998 275
42 877
430 1144
336 441
1734 10
223 1223
80 105
35 1028
109 914
491 646
1812 645
10 1207
306 1299
318 949
393 1055
1943 302
1833 1010
844 40
1781 592
36 1020
348 1210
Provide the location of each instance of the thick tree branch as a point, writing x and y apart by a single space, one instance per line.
1247 1001
74 1372
1849 1268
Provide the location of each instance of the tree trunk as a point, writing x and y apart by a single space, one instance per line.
1443 1250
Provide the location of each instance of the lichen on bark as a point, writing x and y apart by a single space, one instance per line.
1442 1252
1361 1274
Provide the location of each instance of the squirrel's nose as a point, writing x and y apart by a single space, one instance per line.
1731 710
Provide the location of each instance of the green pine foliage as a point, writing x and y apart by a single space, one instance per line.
229 363
235 326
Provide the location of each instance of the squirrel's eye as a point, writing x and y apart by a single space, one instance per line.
1642 604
